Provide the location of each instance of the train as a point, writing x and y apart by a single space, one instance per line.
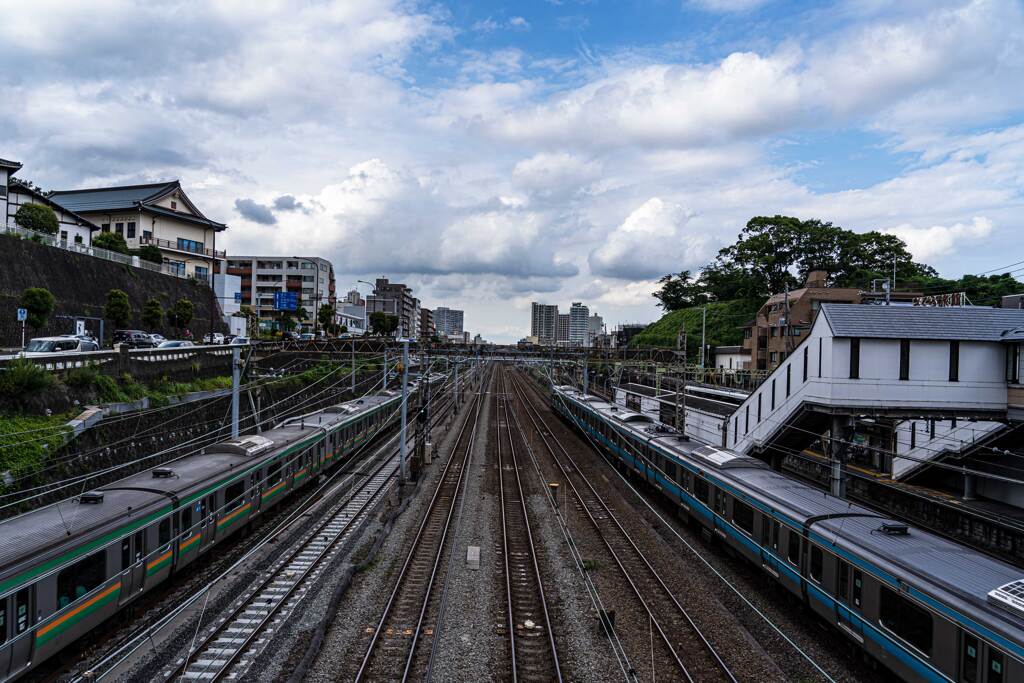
68 567
924 607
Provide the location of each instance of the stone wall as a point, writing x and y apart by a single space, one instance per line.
80 283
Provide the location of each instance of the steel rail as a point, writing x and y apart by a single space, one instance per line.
523 519
400 582
547 436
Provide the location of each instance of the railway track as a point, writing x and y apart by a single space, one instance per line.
532 650
395 648
681 641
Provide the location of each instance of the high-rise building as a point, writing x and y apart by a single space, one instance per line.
394 298
595 328
310 277
448 321
578 314
562 329
427 324
543 322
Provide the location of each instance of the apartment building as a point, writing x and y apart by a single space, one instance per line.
394 298
427 324
352 312
578 321
155 214
544 322
448 321
563 326
310 277
595 328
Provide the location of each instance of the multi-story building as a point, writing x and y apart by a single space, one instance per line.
352 312
228 290
310 277
578 315
783 320
427 325
156 214
563 326
448 321
7 169
544 323
395 299
595 328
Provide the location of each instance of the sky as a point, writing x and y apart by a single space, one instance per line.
490 154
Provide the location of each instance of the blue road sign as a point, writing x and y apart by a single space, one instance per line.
286 301
238 297
22 315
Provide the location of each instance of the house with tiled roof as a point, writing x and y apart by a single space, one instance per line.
156 214
15 193
7 169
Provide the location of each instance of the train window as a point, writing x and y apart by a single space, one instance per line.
140 545
233 494
995 666
793 553
858 587
126 552
769 533
700 487
805 363
78 579
817 563
670 469
274 473
22 613
789 377
186 519
164 531
743 516
906 619
969 660
3 621
844 582
773 395
720 501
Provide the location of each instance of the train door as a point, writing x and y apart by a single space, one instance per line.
136 569
126 570
769 543
208 526
980 662
5 650
256 489
850 594
18 614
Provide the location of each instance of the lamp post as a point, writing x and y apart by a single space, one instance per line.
316 290
366 305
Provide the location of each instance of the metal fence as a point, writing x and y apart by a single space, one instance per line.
68 245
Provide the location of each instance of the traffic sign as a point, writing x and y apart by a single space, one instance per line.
286 301
22 315
238 297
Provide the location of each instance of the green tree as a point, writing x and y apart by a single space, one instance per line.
37 217
180 314
110 241
39 304
149 253
325 315
118 310
383 324
301 313
152 314
287 320
680 291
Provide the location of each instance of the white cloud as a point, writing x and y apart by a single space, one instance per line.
928 243
651 241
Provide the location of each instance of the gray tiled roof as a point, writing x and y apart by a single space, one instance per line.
5 163
109 198
968 323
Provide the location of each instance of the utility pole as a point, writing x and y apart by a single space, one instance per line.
353 367
405 405
703 332
236 378
585 375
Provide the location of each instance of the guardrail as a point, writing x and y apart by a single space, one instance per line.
138 363
105 254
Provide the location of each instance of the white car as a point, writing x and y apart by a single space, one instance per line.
64 344
239 341
157 337
175 344
217 338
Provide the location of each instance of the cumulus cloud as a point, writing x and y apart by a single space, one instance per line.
287 202
652 241
249 209
939 240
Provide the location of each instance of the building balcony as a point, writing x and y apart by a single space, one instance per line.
184 248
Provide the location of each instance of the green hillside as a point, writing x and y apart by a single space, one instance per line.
724 326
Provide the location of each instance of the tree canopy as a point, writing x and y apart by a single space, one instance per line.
110 241
118 310
180 314
37 217
39 304
383 324
152 313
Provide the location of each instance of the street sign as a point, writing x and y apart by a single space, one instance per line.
79 327
238 297
22 315
286 301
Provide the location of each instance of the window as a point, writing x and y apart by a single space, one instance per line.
186 520
700 488
789 378
78 239
22 611
806 361
1013 363
78 579
720 502
274 474
105 227
202 272
140 545
233 495
844 582
913 434
906 619
63 235
164 531
995 665
746 428
904 359
773 394
119 228
743 516
817 563
773 357
147 234
190 245
969 660
759 407
855 359
793 552
131 230
774 331
3 621
819 356
174 205
954 361
126 553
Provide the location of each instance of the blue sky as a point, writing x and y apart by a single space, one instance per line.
492 154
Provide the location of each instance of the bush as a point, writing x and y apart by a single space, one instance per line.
37 217
152 314
22 377
110 241
725 320
150 253
83 377
39 302
118 309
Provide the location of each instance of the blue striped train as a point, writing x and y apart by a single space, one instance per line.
67 567
924 607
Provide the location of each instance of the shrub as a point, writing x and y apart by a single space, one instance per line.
150 253
39 302
152 314
110 241
118 309
83 377
22 377
37 217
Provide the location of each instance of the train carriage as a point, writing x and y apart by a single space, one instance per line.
925 607
66 568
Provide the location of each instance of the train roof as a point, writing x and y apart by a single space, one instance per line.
955 574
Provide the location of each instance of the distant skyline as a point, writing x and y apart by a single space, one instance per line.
489 155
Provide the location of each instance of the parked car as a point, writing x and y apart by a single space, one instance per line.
134 339
157 337
215 338
228 338
175 344
64 344
239 341
307 336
